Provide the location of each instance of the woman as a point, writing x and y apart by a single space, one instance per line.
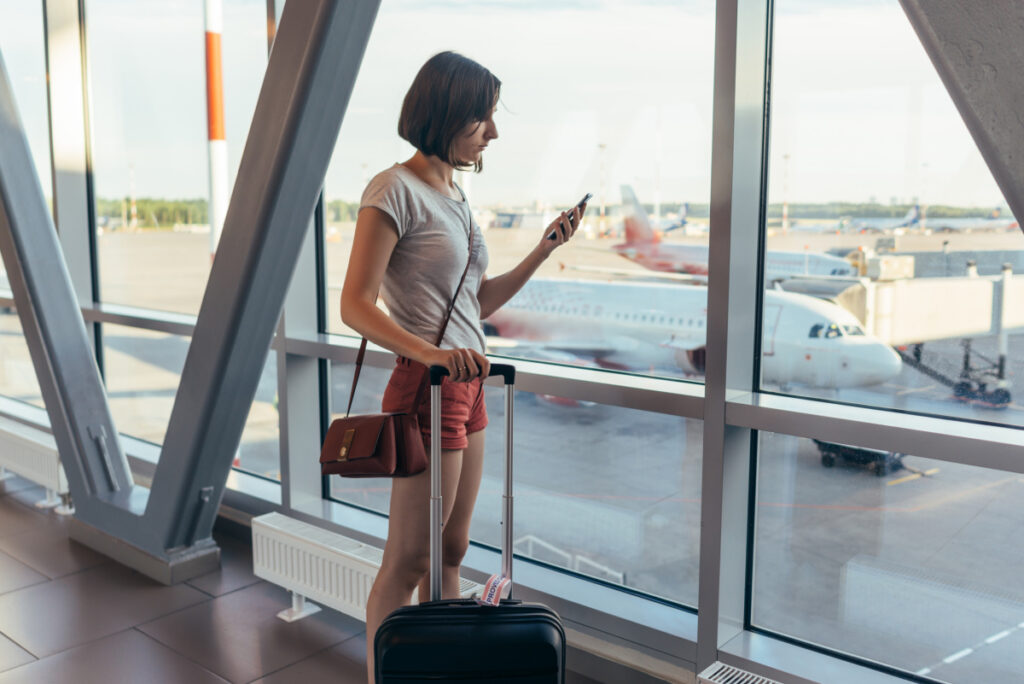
412 243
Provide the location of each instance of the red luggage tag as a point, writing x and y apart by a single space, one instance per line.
497 588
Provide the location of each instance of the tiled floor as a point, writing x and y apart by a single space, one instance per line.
68 614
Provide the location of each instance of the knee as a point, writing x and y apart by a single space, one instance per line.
455 550
409 570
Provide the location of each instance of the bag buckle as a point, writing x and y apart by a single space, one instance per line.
346 442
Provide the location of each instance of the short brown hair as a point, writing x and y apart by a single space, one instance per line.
449 92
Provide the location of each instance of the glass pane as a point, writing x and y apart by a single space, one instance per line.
149 140
903 560
21 45
874 175
589 113
17 375
607 492
143 370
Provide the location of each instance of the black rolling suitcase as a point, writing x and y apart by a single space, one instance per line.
462 640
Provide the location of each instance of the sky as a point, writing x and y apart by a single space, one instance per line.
595 95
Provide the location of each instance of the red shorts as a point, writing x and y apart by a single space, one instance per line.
463 409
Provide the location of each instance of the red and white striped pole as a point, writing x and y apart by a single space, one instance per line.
218 206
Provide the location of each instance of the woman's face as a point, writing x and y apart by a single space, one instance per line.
473 139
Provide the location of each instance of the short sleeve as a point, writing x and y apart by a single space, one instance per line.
389 194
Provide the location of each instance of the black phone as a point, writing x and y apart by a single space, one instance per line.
554 234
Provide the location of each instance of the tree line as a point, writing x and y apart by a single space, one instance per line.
155 212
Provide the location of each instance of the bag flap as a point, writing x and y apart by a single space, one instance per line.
353 437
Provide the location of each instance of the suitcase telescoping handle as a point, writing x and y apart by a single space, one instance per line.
437 374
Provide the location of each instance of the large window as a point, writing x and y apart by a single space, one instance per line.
918 568
874 175
149 140
886 309
582 110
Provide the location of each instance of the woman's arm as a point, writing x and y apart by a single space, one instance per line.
494 292
375 239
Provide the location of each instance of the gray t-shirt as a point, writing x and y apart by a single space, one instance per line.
428 261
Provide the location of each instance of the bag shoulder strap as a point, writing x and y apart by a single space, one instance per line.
440 335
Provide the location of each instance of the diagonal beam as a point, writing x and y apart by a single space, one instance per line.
98 474
309 79
975 47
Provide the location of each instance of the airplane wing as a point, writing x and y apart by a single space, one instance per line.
638 273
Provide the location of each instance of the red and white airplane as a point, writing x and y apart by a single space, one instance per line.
645 247
645 326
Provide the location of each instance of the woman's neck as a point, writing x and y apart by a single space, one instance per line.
432 171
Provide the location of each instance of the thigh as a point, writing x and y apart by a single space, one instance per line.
469 486
409 516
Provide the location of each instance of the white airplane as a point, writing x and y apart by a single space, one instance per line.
881 225
642 326
644 247
966 225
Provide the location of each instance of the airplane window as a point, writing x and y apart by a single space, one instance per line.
833 331
853 330
816 330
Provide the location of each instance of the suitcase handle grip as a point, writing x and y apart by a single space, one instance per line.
508 372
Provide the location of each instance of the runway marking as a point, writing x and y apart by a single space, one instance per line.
915 390
958 655
968 651
996 637
915 476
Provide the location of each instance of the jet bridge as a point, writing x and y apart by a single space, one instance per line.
910 312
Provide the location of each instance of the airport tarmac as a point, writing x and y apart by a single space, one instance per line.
918 571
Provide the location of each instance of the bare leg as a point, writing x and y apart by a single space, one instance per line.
407 550
456 529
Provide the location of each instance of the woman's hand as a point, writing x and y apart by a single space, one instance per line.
463 364
562 228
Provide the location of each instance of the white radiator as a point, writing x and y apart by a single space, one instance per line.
720 673
318 564
32 454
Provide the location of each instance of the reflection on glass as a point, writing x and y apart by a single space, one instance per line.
143 370
17 374
149 141
590 114
606 492
899 559
896 220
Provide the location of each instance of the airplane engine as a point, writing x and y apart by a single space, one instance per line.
692 360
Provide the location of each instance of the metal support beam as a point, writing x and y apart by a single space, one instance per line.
312 69
734 288
975 47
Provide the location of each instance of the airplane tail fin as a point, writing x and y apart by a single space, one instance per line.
638 228
913 216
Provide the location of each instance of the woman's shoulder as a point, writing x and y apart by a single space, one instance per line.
390 185
391 176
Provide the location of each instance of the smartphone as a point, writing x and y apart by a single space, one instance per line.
554 234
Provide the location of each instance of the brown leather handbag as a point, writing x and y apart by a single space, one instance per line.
381 444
